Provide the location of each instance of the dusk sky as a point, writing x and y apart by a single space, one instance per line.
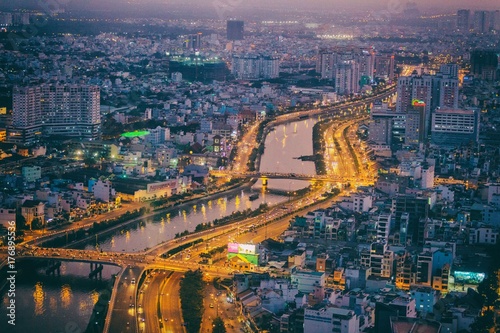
290 4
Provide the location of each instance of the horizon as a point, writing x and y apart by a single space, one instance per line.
238 5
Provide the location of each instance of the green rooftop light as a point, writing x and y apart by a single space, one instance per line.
135 134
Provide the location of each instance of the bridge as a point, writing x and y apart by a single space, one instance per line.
264 176
275 175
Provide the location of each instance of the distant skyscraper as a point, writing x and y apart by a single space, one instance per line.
415 125
193 42
347 77
463 20
234 30
246 66
255 66
384 66
66 110
495 20
414 91
270 66
451 70
481 21
484 64
448 92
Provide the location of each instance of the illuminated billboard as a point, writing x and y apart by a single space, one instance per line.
417 102
154 187
232 247
241 248
246 249
247 258
469 277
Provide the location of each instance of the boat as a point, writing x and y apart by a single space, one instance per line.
254 196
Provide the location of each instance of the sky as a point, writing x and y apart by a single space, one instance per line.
450 5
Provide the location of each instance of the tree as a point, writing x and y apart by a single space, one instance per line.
36 223
218 325
20 222
484 323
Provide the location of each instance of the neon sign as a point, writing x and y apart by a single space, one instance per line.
417 102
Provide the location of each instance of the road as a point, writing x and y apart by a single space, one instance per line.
123 317
147 302
170 304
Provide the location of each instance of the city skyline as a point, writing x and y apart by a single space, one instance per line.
268 166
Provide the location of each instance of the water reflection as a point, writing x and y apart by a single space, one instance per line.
139 236
47 303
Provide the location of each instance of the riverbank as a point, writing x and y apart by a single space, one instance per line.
63 240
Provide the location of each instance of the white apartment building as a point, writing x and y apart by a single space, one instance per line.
66 110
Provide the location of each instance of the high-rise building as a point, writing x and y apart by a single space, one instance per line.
331 60
326 64
484 64
66 110
429 92
405 276
234 30
448 93
347 77
384 66
417 208
5 19
415 130
427 180
380 128
255 66
450 70
482 21
463 20
495 20
270 67
454 127
367 63
193 42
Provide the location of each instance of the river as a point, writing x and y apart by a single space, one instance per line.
55 304
65 303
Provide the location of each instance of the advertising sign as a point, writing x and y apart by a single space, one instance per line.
246 249
417 102
155 187
232 247
248 258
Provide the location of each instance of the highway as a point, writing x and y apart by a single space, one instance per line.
170 304
123 316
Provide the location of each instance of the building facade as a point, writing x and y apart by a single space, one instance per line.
65 110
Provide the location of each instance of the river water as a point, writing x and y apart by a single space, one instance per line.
55 304
65 303
162 227
284 145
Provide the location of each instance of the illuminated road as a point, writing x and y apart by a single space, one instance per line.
147 303
170 304
245 147
123 317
